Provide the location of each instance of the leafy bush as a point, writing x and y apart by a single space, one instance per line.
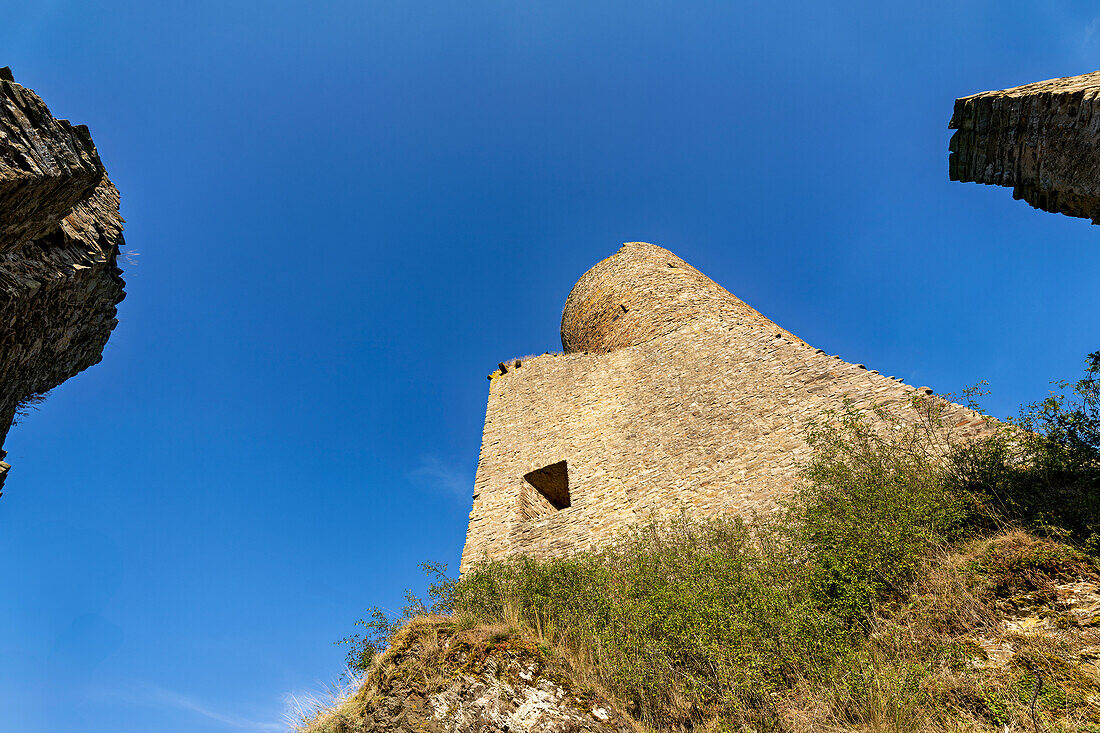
380 625
876 498
675 618
1043 469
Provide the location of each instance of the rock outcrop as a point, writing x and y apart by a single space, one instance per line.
60 233
1042 139
435 678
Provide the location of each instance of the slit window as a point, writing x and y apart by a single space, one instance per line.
551 484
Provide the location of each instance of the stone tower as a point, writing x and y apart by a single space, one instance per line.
671 395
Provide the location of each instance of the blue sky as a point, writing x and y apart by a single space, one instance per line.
342 215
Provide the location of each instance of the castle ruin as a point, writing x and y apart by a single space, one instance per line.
671 395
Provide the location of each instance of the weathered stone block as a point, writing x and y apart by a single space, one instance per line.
1042 139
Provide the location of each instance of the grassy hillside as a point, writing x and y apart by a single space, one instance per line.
914 583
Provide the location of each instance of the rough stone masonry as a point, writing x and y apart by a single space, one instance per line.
60 233
671 395
1042 139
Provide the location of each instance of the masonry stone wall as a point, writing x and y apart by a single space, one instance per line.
1042 139
695 402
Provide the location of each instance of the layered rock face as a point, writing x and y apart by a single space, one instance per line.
60 233
1042 139
672 395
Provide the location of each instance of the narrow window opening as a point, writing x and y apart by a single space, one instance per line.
552 486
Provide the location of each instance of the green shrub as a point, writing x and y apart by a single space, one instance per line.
380 625
677 616
1043 470
876 498
689 620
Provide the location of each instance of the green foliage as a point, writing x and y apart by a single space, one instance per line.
686 620
677 616
876 499
380 625
1069 423
882 694
1043 469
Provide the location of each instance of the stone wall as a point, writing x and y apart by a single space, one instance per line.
1042 139
60 233
697 403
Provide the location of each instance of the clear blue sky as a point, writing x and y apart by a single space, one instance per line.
342 215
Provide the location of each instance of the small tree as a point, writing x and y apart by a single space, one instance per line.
1043 471
380 625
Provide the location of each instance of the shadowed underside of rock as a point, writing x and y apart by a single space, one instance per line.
1042 139
60 233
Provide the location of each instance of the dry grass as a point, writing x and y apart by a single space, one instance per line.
932 661
428 656
986 626
338 708
316 711
888 596
987 629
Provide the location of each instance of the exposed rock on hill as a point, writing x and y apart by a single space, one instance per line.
997 633
60 233
435 678
1042 139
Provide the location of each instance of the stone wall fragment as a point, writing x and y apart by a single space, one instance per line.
1041 139
60 233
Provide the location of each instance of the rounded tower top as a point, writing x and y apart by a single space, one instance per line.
639 293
